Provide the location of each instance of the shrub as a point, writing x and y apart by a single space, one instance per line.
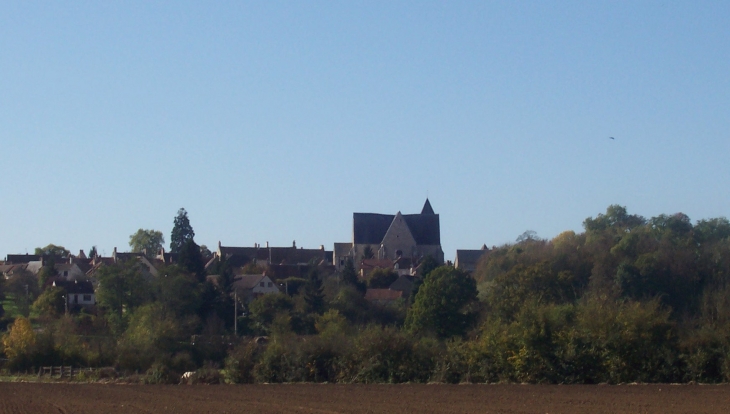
239 365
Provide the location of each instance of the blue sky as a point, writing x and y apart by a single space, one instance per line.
275 121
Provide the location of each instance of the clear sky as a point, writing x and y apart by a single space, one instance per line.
275 121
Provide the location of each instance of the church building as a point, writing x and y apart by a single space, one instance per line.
390 237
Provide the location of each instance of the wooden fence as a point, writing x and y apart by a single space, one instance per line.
60 372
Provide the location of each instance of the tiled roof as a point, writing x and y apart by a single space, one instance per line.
404 284
292 255
245 282
376 263
11 268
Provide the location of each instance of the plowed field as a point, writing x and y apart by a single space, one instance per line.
311 398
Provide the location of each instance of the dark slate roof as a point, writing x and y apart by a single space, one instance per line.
370 228
22 258
244 282
292 255
427 209
425 228
77 286
245 254
404 284
469 257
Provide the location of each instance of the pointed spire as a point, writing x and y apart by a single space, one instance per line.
427 209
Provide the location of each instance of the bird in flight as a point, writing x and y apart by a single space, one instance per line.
611 138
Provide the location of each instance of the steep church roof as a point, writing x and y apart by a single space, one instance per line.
427 209
370 228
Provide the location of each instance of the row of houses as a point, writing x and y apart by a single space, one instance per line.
398 243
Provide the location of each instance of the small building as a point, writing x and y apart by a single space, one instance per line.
249 287
403 284
78 292
467 260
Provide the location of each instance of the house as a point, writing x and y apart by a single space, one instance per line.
78 292
467 260
10 270
386 236
403 284
249 287
264 256
71 271
400 266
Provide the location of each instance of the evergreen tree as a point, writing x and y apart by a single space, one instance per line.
191 260
314 293
349 277
181 232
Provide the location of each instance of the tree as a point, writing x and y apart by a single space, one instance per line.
349 277
314 293
528 235
122 287
205 251
47 271
51 303
382 278
444 304
265 308
178 292
19 342
191 260
428 265
24 288
367 253
52 250
148 241
181 232
92 252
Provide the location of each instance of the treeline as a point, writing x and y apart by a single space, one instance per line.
629 299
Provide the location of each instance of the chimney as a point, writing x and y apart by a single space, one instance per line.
321 247
267 244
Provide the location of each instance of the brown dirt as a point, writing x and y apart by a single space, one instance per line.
312 398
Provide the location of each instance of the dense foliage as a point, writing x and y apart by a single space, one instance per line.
629 299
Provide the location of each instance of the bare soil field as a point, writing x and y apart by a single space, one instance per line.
313 398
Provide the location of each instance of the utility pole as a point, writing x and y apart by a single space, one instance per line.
235 312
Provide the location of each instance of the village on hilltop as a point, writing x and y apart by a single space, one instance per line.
396 244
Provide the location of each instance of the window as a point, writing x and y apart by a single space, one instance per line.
87 298
262 284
